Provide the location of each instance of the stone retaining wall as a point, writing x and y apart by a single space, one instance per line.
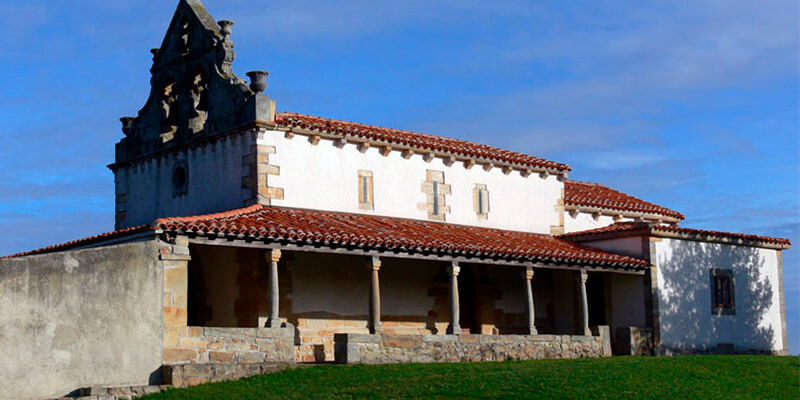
391 349
230 345
634 341
185 375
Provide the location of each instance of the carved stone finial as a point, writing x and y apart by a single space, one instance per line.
258 81
225 28
155 53
127 123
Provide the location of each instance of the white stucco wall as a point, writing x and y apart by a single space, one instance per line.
585 221
214 182
629 246
686 318
81 318
325 177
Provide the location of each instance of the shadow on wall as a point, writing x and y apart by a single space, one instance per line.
686 318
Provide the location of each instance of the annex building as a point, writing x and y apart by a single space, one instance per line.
248 239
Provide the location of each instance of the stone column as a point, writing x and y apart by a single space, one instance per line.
274 320
374 264
528 275
581 278
455 326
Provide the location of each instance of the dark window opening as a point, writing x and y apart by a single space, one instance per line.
722 292
180 180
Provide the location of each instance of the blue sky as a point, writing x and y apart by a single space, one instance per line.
691 105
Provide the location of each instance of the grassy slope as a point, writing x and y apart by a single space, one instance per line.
707 377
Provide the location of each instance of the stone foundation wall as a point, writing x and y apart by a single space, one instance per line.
229 345
185 375
634 341
392 349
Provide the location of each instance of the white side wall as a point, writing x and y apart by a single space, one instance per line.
686 318
585 221
628 246
325 177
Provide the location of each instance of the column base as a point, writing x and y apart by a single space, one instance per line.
376 330
532 331
587 332
273 323
453 330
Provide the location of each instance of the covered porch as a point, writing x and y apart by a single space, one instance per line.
320 294
527 286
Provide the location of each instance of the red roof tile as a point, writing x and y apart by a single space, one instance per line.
638 228
589 194
342 229
329 228
415 140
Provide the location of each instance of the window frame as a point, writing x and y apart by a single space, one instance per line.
436 191
480 201
366 186
723 291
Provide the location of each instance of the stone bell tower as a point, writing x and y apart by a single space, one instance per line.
191 148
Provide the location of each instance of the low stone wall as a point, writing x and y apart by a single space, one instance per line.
632 341
393 349
185 375
201 345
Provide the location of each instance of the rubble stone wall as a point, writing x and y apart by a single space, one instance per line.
394 349
230 345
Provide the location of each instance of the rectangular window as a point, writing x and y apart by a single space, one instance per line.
480 200
723 299
366 197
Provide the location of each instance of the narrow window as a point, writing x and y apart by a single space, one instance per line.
436 192
436 201
722 292
480 197
366 198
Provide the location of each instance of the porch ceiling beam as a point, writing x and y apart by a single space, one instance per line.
355 251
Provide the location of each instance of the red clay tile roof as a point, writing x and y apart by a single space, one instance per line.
639 228
415 140
328 228
372 232
589 194
103 237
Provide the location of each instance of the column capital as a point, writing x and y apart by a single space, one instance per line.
528 273
582 276
274 255
374 263
454 269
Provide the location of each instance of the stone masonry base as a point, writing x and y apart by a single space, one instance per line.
185 375
391 349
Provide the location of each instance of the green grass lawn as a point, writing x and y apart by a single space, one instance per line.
691 377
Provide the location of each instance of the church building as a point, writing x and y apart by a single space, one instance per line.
249 239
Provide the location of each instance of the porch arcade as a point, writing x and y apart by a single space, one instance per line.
324 290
